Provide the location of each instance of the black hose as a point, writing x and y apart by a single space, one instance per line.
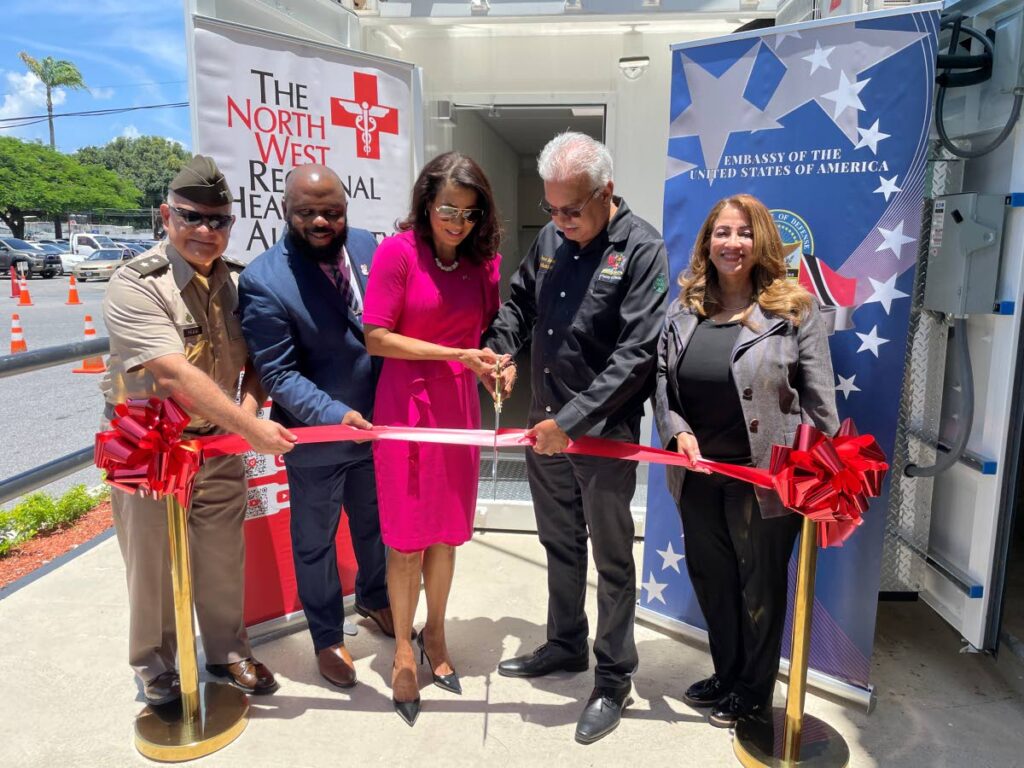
943 460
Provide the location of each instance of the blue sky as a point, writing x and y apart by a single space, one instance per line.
130 53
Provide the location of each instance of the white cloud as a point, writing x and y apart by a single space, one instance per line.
26 95
102 93
130 132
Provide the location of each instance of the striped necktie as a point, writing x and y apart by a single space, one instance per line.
344 285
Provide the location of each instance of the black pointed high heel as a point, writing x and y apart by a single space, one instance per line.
447 682
409 711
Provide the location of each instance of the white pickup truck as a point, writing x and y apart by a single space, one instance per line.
83 243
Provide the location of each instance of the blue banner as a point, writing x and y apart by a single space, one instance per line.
827 123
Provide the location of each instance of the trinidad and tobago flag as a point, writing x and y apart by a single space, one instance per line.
831 288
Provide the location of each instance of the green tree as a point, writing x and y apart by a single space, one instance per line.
54 73
37 180
149 162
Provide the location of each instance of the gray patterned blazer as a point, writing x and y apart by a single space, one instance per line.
783 377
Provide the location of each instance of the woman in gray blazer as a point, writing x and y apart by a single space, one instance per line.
743 361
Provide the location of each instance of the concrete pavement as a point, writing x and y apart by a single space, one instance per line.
68 698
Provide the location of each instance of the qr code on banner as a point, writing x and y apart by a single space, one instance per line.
255 465
256 503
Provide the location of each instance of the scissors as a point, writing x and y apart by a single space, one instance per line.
498 384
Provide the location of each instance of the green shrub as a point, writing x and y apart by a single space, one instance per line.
39 513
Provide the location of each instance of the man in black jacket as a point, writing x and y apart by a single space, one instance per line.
590 297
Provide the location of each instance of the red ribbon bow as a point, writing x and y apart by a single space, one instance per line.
144 451
828 479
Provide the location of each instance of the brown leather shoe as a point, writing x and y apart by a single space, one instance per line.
162 689
336 666
247 675
379 616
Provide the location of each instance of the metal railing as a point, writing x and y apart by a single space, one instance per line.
26 362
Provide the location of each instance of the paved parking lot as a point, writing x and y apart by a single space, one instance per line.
52 412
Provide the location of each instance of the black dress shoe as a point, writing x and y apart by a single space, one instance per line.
162 689
544 660
706 693
602 714
446 682
731 709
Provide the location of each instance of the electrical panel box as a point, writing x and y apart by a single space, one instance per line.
963 253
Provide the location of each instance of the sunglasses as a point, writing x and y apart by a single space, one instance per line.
569 213
194 219
449 212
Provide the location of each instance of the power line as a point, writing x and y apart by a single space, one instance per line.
117 86
21 122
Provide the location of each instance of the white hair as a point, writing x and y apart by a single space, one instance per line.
570 155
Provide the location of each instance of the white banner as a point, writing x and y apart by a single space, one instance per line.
265 103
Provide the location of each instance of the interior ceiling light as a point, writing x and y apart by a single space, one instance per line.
479 7
573 5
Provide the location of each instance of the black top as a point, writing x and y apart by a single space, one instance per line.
710 402
592 316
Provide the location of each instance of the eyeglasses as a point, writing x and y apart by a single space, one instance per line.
194 219
569 213
449 212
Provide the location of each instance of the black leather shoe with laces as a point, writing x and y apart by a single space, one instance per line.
544 660
731 710
602 714
706 692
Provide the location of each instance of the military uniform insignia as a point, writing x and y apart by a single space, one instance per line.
546 262
660 284
148 263
195 330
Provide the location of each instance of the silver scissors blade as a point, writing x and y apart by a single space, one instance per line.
497 426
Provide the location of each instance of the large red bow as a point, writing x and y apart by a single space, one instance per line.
828 479
144 451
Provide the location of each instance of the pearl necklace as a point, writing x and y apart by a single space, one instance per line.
446 267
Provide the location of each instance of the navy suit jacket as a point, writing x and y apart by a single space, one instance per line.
307 346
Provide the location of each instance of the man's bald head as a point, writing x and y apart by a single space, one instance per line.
315 207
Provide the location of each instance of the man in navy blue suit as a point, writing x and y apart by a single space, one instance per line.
301 304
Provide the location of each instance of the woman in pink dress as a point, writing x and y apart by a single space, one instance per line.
432 290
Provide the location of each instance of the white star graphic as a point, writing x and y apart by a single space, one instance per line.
676 167
870 342
869 137
846 386
887 187
669 558
893 240
654 590
846 95
819 59
780 36
885 293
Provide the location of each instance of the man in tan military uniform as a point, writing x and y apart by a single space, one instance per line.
173 331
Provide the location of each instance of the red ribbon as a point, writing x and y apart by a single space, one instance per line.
143 451
826 479
829 480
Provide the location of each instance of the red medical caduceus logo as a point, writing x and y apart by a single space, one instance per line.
369 118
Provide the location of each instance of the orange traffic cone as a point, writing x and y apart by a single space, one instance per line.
24 300
73 292
17 335
90 364
15 289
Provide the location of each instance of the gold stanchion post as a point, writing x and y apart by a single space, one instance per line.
211 715
788 737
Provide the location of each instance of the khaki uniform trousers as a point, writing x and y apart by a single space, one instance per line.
217 555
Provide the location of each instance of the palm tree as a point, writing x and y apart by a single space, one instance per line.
54 73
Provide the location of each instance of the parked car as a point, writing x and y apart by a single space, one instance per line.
102 264
83 243
67 259
27 258
134 246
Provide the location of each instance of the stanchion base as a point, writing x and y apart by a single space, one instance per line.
162 734
759 743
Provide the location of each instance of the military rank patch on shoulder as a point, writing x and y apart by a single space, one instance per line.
660 284
546 262
147 264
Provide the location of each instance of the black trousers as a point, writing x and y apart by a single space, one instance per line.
737 563
571 495
317 495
